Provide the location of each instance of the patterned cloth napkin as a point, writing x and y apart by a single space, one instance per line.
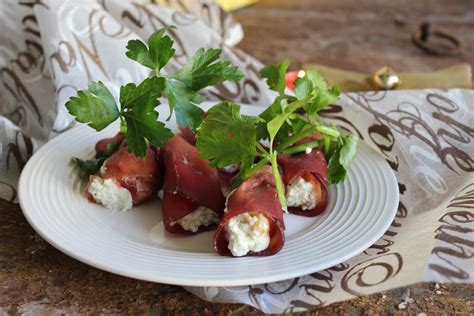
51 49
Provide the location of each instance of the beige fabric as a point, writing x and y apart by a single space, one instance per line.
50 50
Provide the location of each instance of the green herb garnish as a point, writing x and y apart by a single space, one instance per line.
98 108
224 136
89 167
139 120
95 107
203 69
227 137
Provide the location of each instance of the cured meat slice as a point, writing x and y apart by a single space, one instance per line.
193 200
191 177
188 135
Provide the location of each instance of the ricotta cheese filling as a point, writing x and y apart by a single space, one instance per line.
202 216
301 193
110 195
246 232
231 168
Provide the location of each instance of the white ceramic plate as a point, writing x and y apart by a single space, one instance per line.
134 243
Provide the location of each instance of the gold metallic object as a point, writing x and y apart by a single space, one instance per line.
457 76
385 79
231 5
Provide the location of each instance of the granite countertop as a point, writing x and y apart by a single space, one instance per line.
37 279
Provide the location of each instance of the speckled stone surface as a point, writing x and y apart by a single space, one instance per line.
37 279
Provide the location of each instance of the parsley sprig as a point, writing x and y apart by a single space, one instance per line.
98 108
203 69
298 117
89 167
227 137
139 120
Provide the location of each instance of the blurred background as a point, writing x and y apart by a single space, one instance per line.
362 35
350 42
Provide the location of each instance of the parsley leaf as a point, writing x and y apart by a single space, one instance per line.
322 95
323 99
138 51
183 100
303 87
273 110
138 104
157 54
142 127
202 70
86 168
275 75
341 157
277 122
348 150
314 85
96 106
267 115
144 96
317 79
227 137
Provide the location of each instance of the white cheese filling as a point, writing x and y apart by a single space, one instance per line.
301 193
202 216
110 195
246 232
231 168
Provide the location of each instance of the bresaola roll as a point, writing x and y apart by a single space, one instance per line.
305 179
140 176
125 180
192 200
253 221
